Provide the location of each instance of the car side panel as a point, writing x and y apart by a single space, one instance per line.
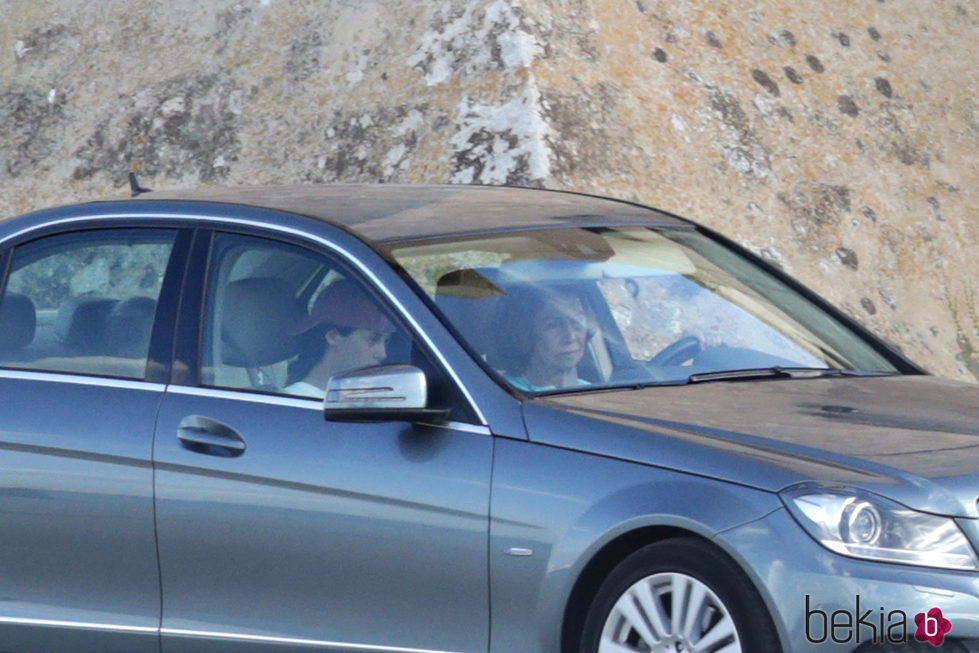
320 535
565 506
78 569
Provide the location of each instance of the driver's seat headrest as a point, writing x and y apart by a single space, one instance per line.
256 322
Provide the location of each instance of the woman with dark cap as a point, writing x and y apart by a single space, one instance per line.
345 330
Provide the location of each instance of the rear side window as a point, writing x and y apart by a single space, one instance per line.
84 302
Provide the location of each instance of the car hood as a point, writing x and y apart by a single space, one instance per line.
913 438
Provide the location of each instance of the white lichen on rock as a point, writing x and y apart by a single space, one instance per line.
469 40
501 143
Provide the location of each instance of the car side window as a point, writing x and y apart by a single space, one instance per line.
84 302
282 319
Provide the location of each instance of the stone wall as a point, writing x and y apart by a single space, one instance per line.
836 139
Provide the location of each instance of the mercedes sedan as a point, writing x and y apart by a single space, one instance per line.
456 419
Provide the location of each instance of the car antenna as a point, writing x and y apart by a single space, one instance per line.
135 187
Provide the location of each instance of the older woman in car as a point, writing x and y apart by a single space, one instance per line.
544 335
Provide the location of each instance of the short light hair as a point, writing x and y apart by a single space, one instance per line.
514 322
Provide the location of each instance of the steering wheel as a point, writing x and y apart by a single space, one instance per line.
678 352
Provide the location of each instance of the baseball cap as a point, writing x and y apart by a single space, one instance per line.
343 304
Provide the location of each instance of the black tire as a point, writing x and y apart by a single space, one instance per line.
690 563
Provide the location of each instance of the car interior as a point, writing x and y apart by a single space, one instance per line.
477 308
85 334
260 293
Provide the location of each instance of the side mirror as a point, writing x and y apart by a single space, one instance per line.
388 393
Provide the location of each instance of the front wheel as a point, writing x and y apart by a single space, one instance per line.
678 596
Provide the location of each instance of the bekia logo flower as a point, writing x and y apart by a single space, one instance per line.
932 627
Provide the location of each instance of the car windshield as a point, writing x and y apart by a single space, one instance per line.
583 309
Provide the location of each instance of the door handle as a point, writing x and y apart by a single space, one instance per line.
207 436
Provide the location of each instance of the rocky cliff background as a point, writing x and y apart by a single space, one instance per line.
836 139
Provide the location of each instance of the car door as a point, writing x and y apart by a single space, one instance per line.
80 359
279 530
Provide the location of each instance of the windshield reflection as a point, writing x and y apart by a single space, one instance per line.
585 309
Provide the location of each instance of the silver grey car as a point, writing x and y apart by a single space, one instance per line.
459 420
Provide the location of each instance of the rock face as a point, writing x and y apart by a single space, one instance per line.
836 140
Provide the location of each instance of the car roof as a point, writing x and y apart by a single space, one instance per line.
387 213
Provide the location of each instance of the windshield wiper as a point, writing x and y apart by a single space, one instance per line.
776 372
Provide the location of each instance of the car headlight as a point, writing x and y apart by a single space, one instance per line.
863 525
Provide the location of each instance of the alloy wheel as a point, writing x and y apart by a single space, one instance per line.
669 612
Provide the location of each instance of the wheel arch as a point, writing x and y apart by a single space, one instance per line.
610 554
598 568
582 516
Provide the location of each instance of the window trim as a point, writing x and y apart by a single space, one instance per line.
5 257
159 360
77 378
308 403
189 324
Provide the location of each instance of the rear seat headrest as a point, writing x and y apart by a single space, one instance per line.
18 320
81 322
129 326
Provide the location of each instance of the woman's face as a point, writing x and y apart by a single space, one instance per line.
559 334
360 348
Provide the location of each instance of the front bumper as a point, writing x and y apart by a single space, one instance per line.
822 601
